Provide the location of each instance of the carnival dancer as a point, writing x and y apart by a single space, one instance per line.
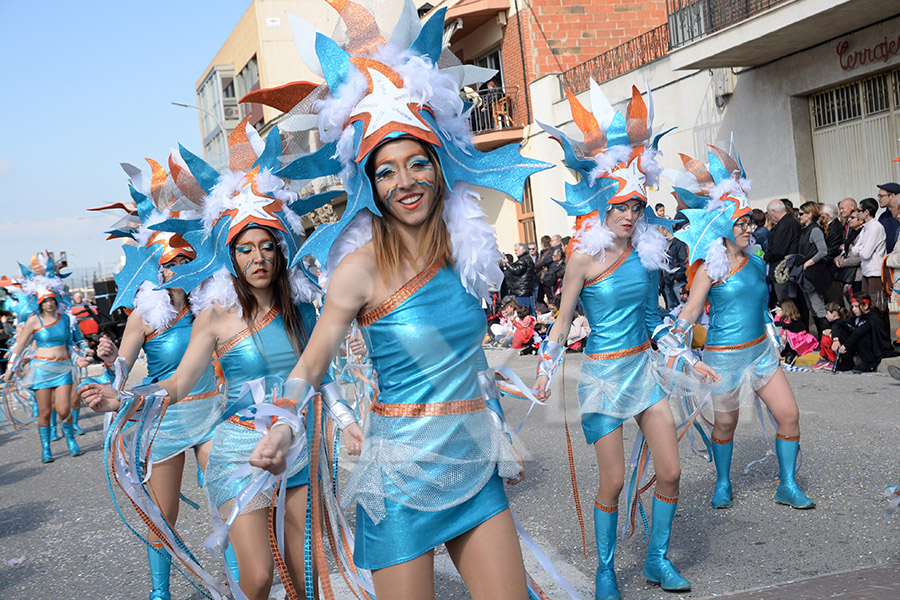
741 343
254 315
617 252
50 374
160 325
411 248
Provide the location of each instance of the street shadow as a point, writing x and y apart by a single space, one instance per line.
11 576
25 516
9 474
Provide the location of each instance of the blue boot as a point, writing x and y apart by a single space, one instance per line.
231 562
78 430
46 454
54 430
69 432
658 568
788 492
721 451
605 521
160 567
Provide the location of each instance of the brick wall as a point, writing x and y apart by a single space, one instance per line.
565 33
511 55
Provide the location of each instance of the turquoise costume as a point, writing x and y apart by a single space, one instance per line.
190 422
737 347
428 471
619 376
261 350
51 373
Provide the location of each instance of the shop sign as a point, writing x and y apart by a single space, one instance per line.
880 52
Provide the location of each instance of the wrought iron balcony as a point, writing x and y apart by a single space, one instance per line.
692 19
494 108
631 55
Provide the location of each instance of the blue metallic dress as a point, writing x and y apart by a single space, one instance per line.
191 421
736 344
53 372
620 376
261 350
430 465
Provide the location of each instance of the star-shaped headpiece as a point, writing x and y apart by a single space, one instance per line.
380 85
712 196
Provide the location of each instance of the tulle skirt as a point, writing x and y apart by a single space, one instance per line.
186 424
741 372
232 446
422 481
611 390
44 374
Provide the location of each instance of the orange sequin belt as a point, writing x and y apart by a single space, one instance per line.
437 409
619 353
737 346
51 359
200 396
236 420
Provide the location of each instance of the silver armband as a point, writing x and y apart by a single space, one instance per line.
14 360
487 383
687 328
772 333
550 357
338 409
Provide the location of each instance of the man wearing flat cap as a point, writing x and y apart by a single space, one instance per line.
886 193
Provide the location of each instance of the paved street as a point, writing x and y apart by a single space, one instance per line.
60 537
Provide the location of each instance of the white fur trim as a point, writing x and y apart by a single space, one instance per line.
607 161
154 306
216 290
218 199
651 246
144 233
474 245
302 289
717 266
593 238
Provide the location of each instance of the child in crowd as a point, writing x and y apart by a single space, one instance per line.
799 340
503 330
523 334
869 341
836 315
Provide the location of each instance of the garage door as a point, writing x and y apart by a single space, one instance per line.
855 131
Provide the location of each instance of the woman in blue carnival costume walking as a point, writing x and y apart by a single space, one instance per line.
617 253
253 314
741 344
59 348
160 325
411 248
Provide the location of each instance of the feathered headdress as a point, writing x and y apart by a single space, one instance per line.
616 162
712 196
154 200
247 194
42 282
379 86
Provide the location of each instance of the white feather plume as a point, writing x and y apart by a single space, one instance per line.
154 306
302 289
607 161
216 290
144 233
474 246
717 265
651 246
220 197
593 238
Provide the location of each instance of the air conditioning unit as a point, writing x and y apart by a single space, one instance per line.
232 112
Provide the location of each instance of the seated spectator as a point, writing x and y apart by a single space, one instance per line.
835 314
799 340
503 330
549 317
523 331
869 341
578 333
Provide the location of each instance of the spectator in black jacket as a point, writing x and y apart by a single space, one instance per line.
886 193
670 283
782 243
519 277
847 207
760 233
551 276
834 231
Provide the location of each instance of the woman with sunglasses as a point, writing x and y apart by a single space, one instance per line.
741 344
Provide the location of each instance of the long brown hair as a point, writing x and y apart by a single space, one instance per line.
435 244
281 296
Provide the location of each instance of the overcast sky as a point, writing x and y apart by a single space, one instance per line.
87 85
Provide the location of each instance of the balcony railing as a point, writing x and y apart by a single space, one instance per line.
631 55
494 108
693 19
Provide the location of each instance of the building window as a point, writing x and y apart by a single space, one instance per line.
876 93
525 216
245 82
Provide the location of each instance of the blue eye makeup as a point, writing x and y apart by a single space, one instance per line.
267 246
418 162
384 171
243 248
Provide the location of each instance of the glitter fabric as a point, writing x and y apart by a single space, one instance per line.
398 297
741 373
45 374
54 334
738 306
263 349
189 422
424 480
